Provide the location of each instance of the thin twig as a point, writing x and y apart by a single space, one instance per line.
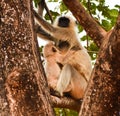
48 12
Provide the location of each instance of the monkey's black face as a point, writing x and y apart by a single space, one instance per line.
63 22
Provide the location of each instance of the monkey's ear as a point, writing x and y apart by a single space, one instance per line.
53 49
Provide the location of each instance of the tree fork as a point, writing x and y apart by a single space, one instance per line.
103 95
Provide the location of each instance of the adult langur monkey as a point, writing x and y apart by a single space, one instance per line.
76 68
62 32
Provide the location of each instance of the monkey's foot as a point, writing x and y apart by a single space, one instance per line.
54 93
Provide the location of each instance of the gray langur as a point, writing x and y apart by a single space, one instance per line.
68 65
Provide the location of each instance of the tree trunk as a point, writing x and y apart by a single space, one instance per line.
23 87
103 94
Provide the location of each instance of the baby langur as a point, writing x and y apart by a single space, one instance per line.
67 73
76 68
52 67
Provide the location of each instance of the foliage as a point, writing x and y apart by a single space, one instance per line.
90 46
65 112
41 48
102 14
54 15
36 2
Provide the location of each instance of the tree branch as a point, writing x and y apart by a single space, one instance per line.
48 12
102 96
117 27
93 29
41 5
66 102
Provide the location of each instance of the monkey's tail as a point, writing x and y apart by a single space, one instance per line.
64 79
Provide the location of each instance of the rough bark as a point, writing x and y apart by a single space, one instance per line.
23 87
92 28
103 94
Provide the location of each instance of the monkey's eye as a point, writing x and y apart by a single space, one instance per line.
53 49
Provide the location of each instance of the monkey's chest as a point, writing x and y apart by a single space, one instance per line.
63 46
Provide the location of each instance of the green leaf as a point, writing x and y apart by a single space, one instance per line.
106 25
80 28
113 12
84 38
63 7
92 50
36 2
41 48
65 112
93 47
52 0
54 15
92 8
117 6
